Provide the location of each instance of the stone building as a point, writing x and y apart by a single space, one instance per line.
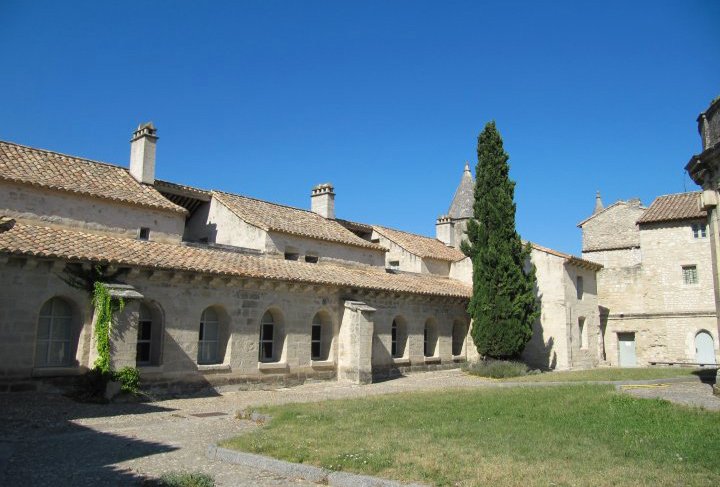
222 288
704 169
655 288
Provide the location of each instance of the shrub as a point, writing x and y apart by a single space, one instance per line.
182 479
497 369
129 378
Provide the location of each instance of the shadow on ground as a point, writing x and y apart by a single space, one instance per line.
42 446
707 376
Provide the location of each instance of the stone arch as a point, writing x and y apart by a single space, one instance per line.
398 337
321 336
57 333
430 338
272 336
459 333
213 335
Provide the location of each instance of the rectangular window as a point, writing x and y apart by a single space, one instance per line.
316 341
144 233
208 346
291 256
690 274
266 342
393 340
699 230
144 339
312 259
579 287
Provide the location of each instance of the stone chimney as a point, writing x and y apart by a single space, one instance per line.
142 153
444 230
322 201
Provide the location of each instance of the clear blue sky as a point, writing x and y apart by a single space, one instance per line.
383 99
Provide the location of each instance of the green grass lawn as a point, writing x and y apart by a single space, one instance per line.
609 374
565 435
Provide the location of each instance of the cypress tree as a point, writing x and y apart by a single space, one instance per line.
503 306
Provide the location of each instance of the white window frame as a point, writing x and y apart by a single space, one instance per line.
44 344
699 230
208 349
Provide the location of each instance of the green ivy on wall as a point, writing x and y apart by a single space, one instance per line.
105 306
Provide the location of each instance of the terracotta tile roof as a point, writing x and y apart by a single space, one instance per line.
568 257
48 169
294 221
48 242
421 246
680 206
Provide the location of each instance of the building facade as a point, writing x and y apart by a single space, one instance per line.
221 288
655 287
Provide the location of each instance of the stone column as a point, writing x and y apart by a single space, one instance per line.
355 342
123 336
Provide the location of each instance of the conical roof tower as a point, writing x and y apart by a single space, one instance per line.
462 203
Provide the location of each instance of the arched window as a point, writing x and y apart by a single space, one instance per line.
267 338
209 339
458 337
398 337
430 338
54 335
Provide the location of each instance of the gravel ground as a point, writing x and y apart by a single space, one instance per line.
51 440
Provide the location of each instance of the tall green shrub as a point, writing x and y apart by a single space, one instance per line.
503 306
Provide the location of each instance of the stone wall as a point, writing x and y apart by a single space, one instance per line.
649 298
89 214
177 301
408 262
613 228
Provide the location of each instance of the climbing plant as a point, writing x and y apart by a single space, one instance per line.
92 279
105 306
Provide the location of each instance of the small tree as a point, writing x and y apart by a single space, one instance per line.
503 305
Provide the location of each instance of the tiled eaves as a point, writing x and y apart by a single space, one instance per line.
674 207
61 172
424 247
23 239
331 230
569 258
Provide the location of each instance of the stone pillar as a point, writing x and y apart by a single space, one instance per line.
355 342
123 336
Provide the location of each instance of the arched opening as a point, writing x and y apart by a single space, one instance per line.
398 337
458 337
704 348
56 339
271 337
321 335
213 336
430 338
149 336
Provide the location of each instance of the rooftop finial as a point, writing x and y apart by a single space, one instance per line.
598 203
467 166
